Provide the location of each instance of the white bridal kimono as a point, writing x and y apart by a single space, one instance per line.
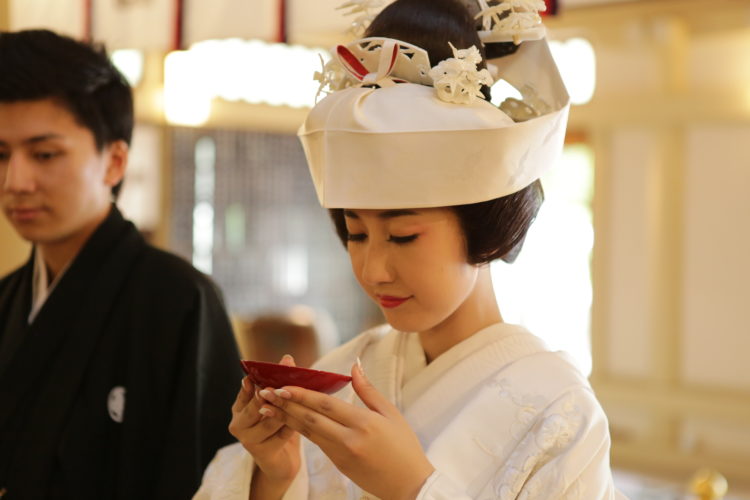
498 415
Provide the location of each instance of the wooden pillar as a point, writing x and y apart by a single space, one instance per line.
4 15
600 142
13 250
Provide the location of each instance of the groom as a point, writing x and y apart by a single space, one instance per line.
117 361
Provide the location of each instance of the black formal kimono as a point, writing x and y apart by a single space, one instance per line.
122 386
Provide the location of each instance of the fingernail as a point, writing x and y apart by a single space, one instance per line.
265 393
266 412
282 393
287 357
359 367
245 385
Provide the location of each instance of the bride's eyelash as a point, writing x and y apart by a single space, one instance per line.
356 236
401 240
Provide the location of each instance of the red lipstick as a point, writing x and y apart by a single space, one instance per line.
390 301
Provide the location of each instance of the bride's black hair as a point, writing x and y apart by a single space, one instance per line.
429 24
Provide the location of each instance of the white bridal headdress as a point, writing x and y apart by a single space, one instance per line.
397 133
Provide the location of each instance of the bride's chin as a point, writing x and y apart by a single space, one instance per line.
404 324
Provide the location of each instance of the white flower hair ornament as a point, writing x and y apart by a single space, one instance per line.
511 20
457 80
391 140
365 10
332 77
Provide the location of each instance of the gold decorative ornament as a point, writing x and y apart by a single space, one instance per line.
708 484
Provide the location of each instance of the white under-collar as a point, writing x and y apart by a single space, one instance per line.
41 288
414 358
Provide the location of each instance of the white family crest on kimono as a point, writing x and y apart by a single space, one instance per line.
498 415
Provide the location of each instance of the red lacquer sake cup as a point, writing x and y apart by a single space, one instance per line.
275 375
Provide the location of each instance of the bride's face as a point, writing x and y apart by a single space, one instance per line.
412 263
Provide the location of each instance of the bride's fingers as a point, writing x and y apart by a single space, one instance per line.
255 422
244 396
262 430
245 416
287 360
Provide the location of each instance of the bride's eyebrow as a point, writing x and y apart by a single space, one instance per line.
387 214
390 214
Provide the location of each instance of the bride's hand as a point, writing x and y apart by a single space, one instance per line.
273 445
374 447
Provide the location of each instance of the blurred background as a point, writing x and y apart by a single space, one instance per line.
639 262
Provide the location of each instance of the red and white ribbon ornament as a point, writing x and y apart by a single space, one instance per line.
386 62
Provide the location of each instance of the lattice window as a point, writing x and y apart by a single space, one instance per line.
273 246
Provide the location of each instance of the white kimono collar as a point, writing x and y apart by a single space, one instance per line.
41 288
481 354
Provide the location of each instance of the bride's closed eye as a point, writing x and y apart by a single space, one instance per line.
399 240
355 237
402 240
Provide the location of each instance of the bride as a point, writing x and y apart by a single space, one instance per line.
427 183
